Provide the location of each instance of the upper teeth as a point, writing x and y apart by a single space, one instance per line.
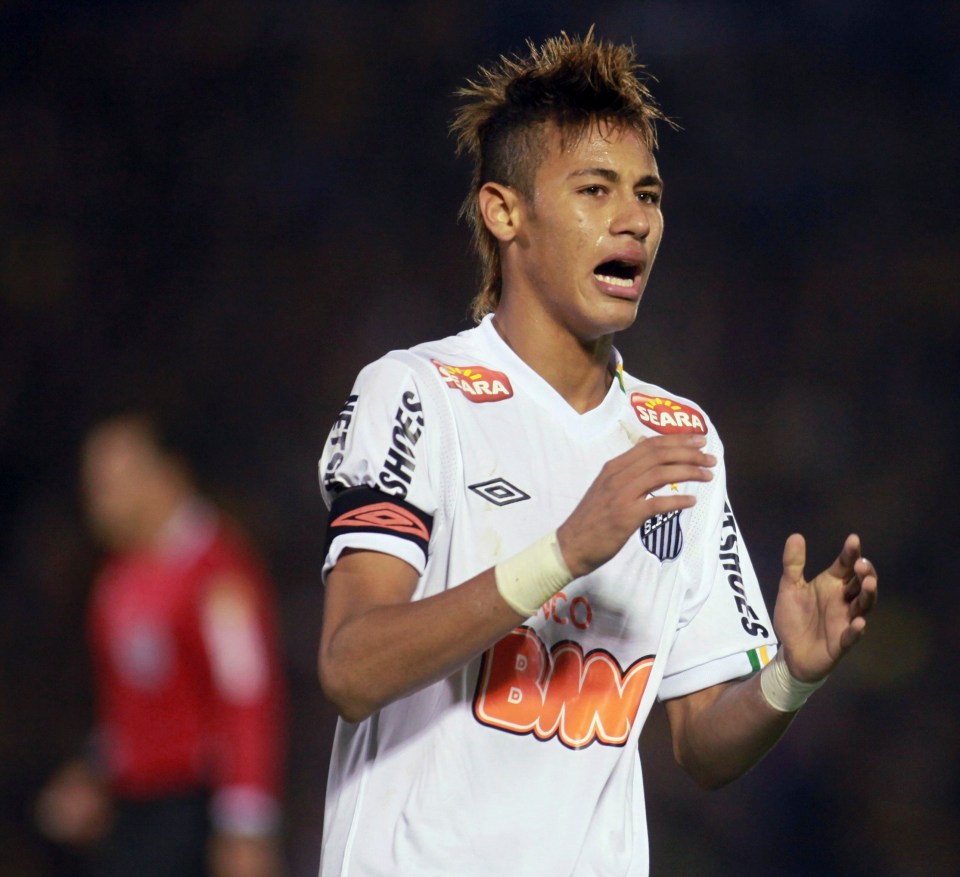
615 281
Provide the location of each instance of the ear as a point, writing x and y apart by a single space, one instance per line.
500 209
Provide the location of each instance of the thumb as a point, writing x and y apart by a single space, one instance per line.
794 559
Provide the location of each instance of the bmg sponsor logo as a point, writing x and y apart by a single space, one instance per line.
560 693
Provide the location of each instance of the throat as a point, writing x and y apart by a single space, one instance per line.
580 373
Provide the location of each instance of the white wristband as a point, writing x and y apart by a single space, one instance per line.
781 690
528 579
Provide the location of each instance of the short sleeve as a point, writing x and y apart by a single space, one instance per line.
730 633
375 474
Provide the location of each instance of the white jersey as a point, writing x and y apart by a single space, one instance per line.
456 455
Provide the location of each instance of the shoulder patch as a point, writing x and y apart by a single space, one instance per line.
477 383
666 416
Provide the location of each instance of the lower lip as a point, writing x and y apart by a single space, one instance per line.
629 293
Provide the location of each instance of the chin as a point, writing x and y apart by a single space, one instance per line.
617 318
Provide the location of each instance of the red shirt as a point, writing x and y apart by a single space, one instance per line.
190 690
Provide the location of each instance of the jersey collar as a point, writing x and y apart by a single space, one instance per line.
587 423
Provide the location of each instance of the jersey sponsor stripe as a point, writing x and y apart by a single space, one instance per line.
759 658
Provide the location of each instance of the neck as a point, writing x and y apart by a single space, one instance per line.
579 371
158 514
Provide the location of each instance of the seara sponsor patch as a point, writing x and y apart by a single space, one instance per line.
477 383
666 416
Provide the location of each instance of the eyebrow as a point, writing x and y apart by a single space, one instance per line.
613 177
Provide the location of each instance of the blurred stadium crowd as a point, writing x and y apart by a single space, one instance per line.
225 211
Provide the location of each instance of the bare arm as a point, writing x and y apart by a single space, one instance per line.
721 732
376 645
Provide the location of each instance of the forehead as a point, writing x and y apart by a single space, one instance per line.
603 144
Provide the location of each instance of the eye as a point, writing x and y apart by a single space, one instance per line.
594 190
648 198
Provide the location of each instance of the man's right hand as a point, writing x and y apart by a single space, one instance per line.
619 501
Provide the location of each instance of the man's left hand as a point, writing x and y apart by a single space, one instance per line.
819 621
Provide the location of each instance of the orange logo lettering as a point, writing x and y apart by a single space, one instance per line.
562 693
562 610
384 516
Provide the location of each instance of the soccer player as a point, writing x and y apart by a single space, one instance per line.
527 545
185 778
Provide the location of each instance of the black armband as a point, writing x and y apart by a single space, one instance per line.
368 510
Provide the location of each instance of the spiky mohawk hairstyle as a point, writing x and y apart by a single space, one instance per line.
568 81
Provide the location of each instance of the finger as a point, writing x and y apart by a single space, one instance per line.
650 505
678 440
853 633
864 568
626 498
794 560
672 475
630 476
662 447
640 456
649 471
662 505
866 598
853 588
842 567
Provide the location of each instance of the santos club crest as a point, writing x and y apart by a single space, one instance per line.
661 535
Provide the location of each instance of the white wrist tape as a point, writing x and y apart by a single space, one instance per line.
781 690
528 579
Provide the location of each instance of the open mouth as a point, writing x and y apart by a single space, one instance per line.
617 273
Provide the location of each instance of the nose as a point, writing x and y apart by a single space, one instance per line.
631 217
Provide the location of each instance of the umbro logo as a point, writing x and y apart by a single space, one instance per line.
383 516
499 491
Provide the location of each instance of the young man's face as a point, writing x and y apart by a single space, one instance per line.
590 231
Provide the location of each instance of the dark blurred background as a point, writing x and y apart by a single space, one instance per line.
225 210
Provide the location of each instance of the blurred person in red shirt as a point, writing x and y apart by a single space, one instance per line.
184 778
